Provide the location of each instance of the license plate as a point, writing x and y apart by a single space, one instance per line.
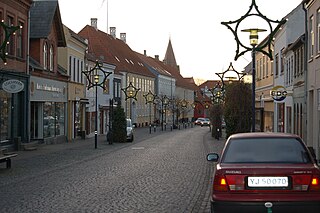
268 182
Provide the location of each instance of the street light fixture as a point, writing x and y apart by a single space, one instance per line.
254 11
8 31
94 80
217 93
149 100
131 93
164 101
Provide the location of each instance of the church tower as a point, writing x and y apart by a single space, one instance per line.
169 58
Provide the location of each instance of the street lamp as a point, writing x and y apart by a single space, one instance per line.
8 31
164 101
149 100
184 105
217 93
254 11
94 80
131 93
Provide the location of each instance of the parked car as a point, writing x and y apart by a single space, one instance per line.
130 130
265 172
198 121
205 122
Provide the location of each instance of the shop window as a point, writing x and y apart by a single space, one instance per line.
53 119
5 119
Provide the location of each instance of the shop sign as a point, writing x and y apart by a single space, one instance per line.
12 86
278 93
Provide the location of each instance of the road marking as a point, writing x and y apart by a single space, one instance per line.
137 148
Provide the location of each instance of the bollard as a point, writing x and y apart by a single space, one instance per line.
150 128
179 126
171 127
154 128
165 127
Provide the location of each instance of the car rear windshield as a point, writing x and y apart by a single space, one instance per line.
266 150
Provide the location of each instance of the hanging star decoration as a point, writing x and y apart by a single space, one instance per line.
217 92
149 97
94 74
130 91
266 43
8 31
230 69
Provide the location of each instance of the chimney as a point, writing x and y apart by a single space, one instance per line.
145 52
113 32
156 57
94 23
123 37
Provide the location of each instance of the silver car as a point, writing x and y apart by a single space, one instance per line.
130 130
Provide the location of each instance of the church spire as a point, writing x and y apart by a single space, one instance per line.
169 58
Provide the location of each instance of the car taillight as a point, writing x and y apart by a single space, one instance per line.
220 183
300 182
236 182
315 185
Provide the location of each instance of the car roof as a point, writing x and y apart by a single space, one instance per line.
262 135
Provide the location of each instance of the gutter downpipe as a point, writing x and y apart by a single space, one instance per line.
28 118
305 130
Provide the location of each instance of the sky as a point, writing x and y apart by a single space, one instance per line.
202 45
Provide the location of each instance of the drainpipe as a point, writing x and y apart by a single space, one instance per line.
305 129
28 117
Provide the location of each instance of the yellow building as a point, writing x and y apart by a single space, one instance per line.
72 59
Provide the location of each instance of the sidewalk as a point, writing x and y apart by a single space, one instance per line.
141 133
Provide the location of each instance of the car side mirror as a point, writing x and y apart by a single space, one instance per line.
212 157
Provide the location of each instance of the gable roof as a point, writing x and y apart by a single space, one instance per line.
43 15
180 81
113 51
152 63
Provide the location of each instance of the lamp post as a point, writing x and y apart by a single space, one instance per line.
8 31
93 80
131 93
164 102
184 105
254 11
149 100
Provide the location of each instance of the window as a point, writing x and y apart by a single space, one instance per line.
277 64
318 30
53 119
10 47
311 37
70 66
265 150
45 56
106 85
51 59
20 44
282 61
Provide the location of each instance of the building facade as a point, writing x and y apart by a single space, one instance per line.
14 75
72 59
48 81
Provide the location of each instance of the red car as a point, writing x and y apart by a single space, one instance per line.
265 172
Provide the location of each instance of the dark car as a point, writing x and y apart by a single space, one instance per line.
265 172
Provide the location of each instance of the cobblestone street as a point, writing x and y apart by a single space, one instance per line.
159 172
